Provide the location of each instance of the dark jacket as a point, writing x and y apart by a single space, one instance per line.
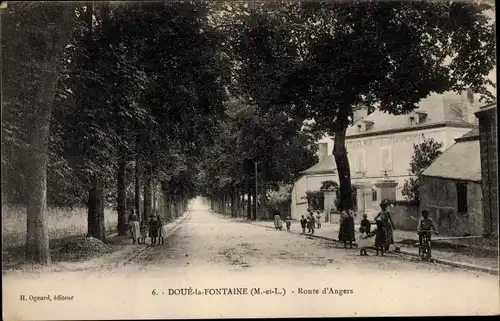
367 225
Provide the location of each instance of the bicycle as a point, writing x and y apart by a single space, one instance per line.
425 249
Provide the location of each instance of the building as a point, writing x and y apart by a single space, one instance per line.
381 144
450 188
488 132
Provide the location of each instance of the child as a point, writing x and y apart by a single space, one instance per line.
312 223
318 220
288 224
366 224
303 224
380 237
363 241
144 232
162 231
425 225
308 217
153 229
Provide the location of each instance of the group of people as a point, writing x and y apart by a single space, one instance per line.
154 228
310 222
383 233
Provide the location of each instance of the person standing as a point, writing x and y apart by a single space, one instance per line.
312 222
135 228
318 220
385 218
153 228
278 225
346 230
366 224
303 224
162 230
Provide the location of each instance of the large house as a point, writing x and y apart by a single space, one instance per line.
380 144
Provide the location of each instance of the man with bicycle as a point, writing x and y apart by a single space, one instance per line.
425 227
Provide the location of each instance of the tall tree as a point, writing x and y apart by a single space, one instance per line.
423 156
389 55
31 58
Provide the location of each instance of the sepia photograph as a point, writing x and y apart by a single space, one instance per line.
248 159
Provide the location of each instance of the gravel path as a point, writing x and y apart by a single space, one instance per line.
209 251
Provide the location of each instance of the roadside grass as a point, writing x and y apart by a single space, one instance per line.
64 224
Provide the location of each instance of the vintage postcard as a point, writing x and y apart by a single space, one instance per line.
248 159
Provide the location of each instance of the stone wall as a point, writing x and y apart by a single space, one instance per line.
439 197
488 142
405 215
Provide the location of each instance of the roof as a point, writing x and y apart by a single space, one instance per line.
470 135
461 162
325 166
438 107
486 107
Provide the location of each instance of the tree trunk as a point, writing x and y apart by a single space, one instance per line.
233 205
137 192
263 193
249 201
122 197
344 171
37 241
147 192
224 197
242 204
95 214
37 232
153 195
255 202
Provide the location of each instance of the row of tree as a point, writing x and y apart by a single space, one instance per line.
320 61
109 92
193 97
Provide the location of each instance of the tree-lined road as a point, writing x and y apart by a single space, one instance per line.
209 251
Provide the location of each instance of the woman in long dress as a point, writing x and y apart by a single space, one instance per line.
135 228
277 220
346 231
385 217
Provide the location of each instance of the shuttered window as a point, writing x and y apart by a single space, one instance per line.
360 161
386 158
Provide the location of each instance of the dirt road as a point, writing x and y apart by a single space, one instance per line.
207 255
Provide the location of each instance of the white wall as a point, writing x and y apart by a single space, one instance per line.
301 186
400 147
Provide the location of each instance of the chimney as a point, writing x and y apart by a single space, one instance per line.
359 113
322 150
471 107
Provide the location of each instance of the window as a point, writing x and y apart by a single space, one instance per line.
374 195
385 158
360 161
411 120
462 203
322 149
